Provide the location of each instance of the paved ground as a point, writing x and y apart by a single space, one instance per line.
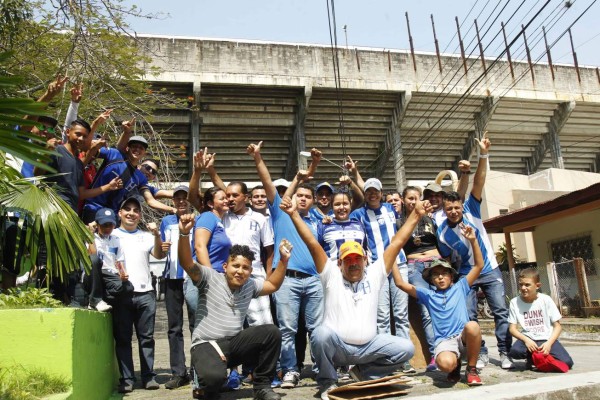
499 383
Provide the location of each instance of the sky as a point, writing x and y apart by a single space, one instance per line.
382 23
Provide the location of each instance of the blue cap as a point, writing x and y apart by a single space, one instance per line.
324 184
106 215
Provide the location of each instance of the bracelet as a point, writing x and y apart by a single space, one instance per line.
184 234
484 155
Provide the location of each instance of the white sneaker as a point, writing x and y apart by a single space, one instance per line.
506 361
103 306
325 392
482 361
290 380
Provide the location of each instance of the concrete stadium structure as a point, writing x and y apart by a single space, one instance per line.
404 118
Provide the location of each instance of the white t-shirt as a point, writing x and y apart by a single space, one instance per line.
109 250
351 308
137 246
535 318
253 230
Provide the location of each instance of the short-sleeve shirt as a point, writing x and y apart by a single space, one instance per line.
218 245
72 168
221 311
447 308
253 230
169 232
380 227
284 228
535 318
350 309
114 168
332 236
108 249
453 244
137 246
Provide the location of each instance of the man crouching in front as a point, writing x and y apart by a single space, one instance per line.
218 341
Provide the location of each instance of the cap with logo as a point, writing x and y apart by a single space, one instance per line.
105 216
324 185
373 183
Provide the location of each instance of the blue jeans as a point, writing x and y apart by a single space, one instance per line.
137 310
190 292
294 295
376 358
415 271
399 300
519 351
493 287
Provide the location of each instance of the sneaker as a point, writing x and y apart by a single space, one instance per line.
102 306
290 380
507 362
176 382
234 381
125 387
343 375
472 377
454 375
151 385
266 394
482 361
432 366
247 380
276 382
356 374
325 391
408 369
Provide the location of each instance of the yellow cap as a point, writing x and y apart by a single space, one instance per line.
351 247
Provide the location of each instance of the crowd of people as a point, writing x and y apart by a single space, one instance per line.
260 269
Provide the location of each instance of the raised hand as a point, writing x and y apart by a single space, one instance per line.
115 184
77 92
464 166
103 117
128 125
285 250
254 149
345 180
288 205
186 223
484 144
350 165
56 86
303 176
468 232
423 207
152 228
316 155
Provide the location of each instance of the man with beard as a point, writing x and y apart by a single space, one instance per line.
348 334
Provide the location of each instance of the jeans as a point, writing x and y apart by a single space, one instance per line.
519 351
415 270
174 302
190 291
376 358
137 309
296 295
493 287
257 345
399 301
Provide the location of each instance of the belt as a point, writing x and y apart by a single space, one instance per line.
426 259
297 274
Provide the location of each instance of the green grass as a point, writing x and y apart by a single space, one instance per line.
20 383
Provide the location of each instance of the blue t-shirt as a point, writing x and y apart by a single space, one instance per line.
332 236
114 168
218 244
380 227
284 228
447 308
451 242
316 213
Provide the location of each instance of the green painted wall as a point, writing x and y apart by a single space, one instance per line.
74 343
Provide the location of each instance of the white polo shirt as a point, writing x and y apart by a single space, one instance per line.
137 246
253 230
350 309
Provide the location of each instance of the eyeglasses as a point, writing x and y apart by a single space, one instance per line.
48 130
149 169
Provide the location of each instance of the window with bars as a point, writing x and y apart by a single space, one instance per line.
575 247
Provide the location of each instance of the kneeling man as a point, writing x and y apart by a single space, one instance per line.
348 335
218 341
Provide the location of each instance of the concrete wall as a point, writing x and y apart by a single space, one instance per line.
285 64
73 343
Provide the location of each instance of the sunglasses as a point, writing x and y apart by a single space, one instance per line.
48 130
149 169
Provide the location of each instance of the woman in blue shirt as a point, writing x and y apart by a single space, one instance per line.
211 244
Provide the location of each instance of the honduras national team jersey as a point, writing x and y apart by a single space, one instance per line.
380 227
169 232
332 236
452 243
